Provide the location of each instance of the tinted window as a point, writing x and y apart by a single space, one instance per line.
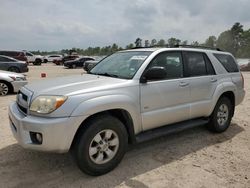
28 54
172 62
210 69
227 62
196 65
4 59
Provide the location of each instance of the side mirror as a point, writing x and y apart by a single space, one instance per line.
154 73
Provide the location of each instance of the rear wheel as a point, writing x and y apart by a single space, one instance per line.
14 69
221 116
4 88
101 146
45 61
37 62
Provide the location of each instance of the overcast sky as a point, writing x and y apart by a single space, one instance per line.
58 24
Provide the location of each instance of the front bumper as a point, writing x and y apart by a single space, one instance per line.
18 84
57 133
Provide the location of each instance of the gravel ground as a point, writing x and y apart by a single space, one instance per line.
194 158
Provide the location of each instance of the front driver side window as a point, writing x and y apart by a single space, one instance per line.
171 61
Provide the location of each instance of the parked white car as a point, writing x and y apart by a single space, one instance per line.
11 82
51 58
32 58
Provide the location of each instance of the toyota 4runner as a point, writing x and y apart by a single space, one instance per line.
129 97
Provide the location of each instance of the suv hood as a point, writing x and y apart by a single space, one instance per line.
73 85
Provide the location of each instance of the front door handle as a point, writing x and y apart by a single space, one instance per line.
213 80
183 84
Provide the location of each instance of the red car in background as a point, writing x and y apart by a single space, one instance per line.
19 55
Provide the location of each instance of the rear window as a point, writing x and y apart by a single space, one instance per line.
227 62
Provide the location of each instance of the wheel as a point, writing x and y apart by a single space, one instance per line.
45 60
101 146
14 69
37 62
74 66
4 89
221 116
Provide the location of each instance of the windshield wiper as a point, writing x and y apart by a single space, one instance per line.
107 74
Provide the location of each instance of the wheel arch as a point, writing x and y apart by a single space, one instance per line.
121 114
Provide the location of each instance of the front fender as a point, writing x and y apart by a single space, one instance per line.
104 103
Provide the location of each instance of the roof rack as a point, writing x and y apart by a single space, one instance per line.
194 46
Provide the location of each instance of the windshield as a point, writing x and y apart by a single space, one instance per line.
121 64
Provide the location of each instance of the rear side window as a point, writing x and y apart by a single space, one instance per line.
196 65
227 62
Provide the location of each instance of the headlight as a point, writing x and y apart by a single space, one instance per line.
18 78
47 104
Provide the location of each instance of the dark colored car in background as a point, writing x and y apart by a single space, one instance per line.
64 59
90 64
77 62
19 55
13 65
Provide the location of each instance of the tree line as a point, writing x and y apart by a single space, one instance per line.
235 40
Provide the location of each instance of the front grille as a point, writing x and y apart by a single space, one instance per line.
23 100
23 109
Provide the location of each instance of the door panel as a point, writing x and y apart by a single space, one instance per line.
203 82
164 102
202 90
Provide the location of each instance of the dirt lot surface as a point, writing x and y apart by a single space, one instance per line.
194 158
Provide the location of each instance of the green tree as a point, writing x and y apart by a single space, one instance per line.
225 41
138 42
161 42
211 41
153 42
146 43
173 41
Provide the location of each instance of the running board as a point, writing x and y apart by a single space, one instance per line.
169 129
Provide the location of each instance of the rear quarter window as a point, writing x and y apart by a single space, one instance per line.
227 62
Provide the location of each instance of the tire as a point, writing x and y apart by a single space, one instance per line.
37 62
107 151
221 116
74 66
4 89
14 69
45 60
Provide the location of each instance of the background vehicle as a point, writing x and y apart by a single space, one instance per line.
77 62
129 97
51 58
11 82
88 65
12 65
64 59
35 59
19 55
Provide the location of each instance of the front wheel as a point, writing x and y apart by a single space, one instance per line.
4 89
221 116
101 146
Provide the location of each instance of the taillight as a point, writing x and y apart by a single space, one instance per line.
242 78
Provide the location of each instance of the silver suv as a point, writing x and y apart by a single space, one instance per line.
129 97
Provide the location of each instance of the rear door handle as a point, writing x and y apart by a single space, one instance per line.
183 84
213 80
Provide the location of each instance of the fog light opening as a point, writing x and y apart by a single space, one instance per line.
36 138
39 137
